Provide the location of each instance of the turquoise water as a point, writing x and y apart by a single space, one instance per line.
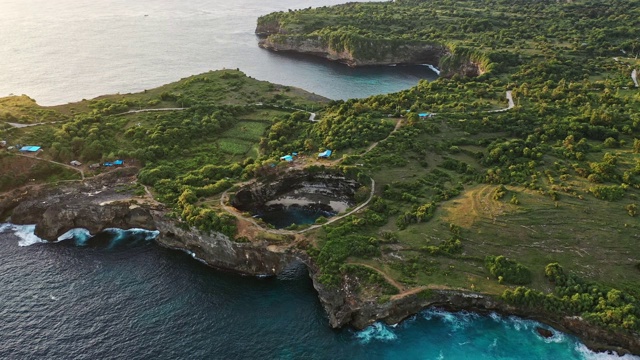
126 297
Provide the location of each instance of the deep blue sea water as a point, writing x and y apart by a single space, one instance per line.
126 297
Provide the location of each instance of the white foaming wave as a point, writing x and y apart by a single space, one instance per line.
557 336
193 255
495 317
138 233
520 323
433 68
4 227
456 321
377 331
148 234
80 234
590 355
24 232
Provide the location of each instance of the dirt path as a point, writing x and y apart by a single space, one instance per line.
358 208
388 278
57 163
634 76
19 126
149 110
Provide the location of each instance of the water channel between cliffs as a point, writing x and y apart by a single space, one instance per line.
298 198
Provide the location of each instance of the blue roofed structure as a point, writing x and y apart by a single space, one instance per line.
287 158
118 162
108 164
325 154
30 148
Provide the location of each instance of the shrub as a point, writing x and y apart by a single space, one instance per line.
510 271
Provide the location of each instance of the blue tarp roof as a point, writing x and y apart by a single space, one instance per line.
118 162
30 148
108 164
424 114
325 153
287 158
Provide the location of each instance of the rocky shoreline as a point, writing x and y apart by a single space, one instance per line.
274 38
108 201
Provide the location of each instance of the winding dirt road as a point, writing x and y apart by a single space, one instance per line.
55 162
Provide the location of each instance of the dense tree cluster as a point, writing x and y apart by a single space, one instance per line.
596 303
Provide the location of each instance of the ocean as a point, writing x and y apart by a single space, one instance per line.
67 50
122 296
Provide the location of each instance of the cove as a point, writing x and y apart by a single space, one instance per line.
64 52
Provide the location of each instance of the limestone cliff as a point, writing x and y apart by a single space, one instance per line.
219 251
345 306
363 51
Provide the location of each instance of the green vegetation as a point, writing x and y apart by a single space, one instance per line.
185 156
555 179
602 305
19 171
507 270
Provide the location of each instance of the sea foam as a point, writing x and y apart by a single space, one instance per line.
590 355
378 331
24 232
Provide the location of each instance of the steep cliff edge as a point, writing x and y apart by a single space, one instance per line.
362 51
345 306
105 202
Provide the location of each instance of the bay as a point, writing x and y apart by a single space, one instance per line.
66 50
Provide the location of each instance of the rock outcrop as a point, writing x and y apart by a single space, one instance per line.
219 251
386 53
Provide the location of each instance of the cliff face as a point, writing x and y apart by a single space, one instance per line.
368 52
345 307
386 54
106 202
219 251
97 205
296 185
